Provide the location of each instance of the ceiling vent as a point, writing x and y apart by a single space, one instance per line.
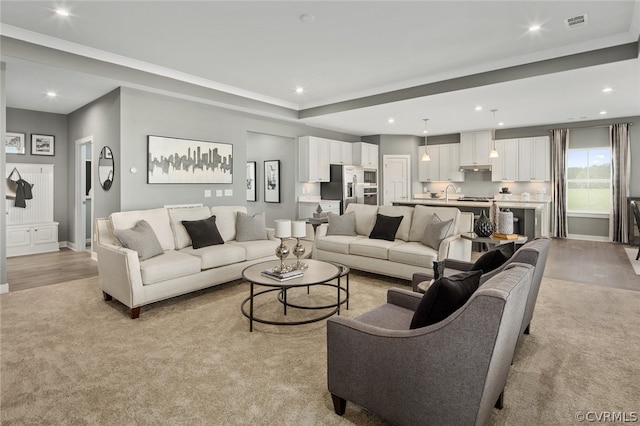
577 21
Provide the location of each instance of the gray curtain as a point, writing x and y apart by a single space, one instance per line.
620 171
559 143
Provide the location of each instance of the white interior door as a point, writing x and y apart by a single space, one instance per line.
83 195
396 178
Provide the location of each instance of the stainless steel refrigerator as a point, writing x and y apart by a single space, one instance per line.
345 184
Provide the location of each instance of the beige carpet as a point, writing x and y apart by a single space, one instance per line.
631 254
70 358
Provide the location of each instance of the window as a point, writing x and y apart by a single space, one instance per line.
589 180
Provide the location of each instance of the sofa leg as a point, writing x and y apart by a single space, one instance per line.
107 297
339 404
527 330
500 401
135 313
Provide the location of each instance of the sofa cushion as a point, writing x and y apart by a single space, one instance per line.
422 216
365 217
171 264
140 238
436 231
218 255
367 247
494 258
203 233
337 243
250 228
413 253
407 214
257 249
385 227
342 225
445 296
157 218
177 215
226 220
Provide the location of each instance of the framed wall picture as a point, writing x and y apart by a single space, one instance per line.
43 145
15 143
272 181
175 160
251 181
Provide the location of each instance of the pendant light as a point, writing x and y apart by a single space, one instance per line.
494 152
425 156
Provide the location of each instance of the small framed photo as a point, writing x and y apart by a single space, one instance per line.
42 144
272 181
251 181
14 143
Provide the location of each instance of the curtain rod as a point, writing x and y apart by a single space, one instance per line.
591 127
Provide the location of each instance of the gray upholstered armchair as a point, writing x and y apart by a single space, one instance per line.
533 253
449 373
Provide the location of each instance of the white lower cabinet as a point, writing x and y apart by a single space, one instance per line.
32 238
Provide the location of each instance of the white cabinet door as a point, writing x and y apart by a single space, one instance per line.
505 167
534 159
365 155
313 159
18 236
429 171
346 152
45 234
340 152
475 148
453 172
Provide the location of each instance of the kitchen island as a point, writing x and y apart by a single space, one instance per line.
533 216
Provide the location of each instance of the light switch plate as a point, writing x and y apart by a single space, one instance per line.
218 192
207 193
228 192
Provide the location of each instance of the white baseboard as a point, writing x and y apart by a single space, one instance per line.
4 288
94 255
588 238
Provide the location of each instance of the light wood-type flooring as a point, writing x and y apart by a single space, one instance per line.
588 262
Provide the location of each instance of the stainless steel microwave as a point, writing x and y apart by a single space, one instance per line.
371 176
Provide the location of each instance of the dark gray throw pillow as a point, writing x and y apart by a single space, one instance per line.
385 227
250 228
494 258
203 233
436 231
140 238
445 296
342 225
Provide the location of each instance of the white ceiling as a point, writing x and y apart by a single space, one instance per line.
263 50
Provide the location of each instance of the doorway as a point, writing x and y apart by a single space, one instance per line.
396 178
83 240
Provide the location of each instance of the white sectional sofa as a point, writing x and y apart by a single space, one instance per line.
180 268
403 256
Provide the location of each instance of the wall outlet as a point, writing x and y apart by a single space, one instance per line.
228 192
425 188
207 193
218 192
458 189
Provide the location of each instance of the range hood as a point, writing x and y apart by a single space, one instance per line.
476 168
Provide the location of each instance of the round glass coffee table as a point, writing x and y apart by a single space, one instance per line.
318 273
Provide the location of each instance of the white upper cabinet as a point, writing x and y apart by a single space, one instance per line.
534 159
475 148
429 171
313 159
505 167
365 155
444 165
340 152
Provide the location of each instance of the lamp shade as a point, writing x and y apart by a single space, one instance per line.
283 228
298 229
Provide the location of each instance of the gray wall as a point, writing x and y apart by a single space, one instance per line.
29 122
100 119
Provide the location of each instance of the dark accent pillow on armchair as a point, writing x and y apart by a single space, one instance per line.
385 227
445 296
494 258
203 233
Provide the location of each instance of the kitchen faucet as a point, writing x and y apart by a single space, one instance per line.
446 192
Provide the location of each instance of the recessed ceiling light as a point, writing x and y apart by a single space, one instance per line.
534 28
501 124
62 12
391 120
603 112
607 90
478 108
299 90
307 17
52 94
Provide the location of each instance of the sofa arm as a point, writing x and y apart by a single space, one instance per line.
455 247
458 265
271 234
403 298
119 274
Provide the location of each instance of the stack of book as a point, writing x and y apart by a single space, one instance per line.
296 273
500 236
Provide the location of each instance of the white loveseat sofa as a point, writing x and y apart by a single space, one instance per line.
181 268
405 255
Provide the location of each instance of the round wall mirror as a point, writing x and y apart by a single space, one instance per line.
106 168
